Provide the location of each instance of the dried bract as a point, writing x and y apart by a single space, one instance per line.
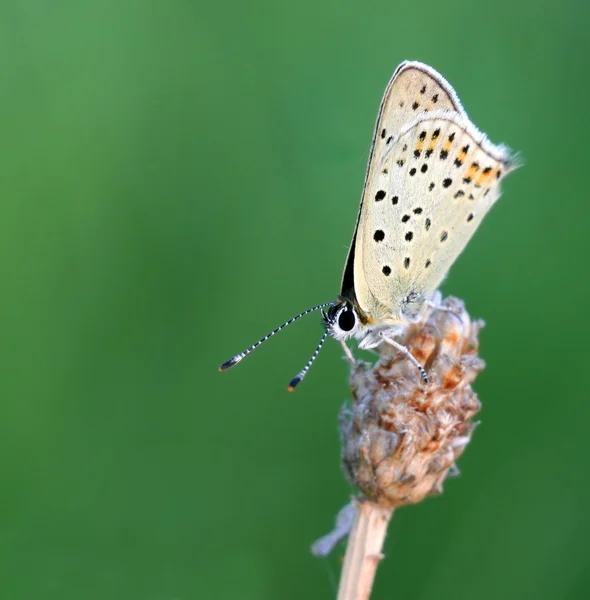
401 439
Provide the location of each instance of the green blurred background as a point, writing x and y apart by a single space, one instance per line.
177 178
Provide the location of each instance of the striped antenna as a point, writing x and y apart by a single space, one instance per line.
238 357
297 379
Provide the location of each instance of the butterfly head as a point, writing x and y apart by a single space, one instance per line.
342 320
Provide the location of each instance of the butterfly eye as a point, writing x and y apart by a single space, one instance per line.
347 320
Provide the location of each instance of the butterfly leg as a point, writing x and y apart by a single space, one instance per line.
348 353
435 306
406 352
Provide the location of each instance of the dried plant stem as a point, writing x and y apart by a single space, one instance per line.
400 437
363 552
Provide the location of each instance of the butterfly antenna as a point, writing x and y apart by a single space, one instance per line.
297 379
238 357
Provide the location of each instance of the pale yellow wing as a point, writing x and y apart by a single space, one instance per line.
414 88
428 193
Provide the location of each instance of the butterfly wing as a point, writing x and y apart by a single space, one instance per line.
427 195
414 89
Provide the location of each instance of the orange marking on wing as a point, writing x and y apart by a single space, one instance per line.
472 171
432 144
449 142
484 176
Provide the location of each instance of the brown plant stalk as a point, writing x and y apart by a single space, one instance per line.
401 438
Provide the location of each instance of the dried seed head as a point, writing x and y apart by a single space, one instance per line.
402 438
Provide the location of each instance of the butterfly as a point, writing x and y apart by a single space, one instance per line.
432 177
